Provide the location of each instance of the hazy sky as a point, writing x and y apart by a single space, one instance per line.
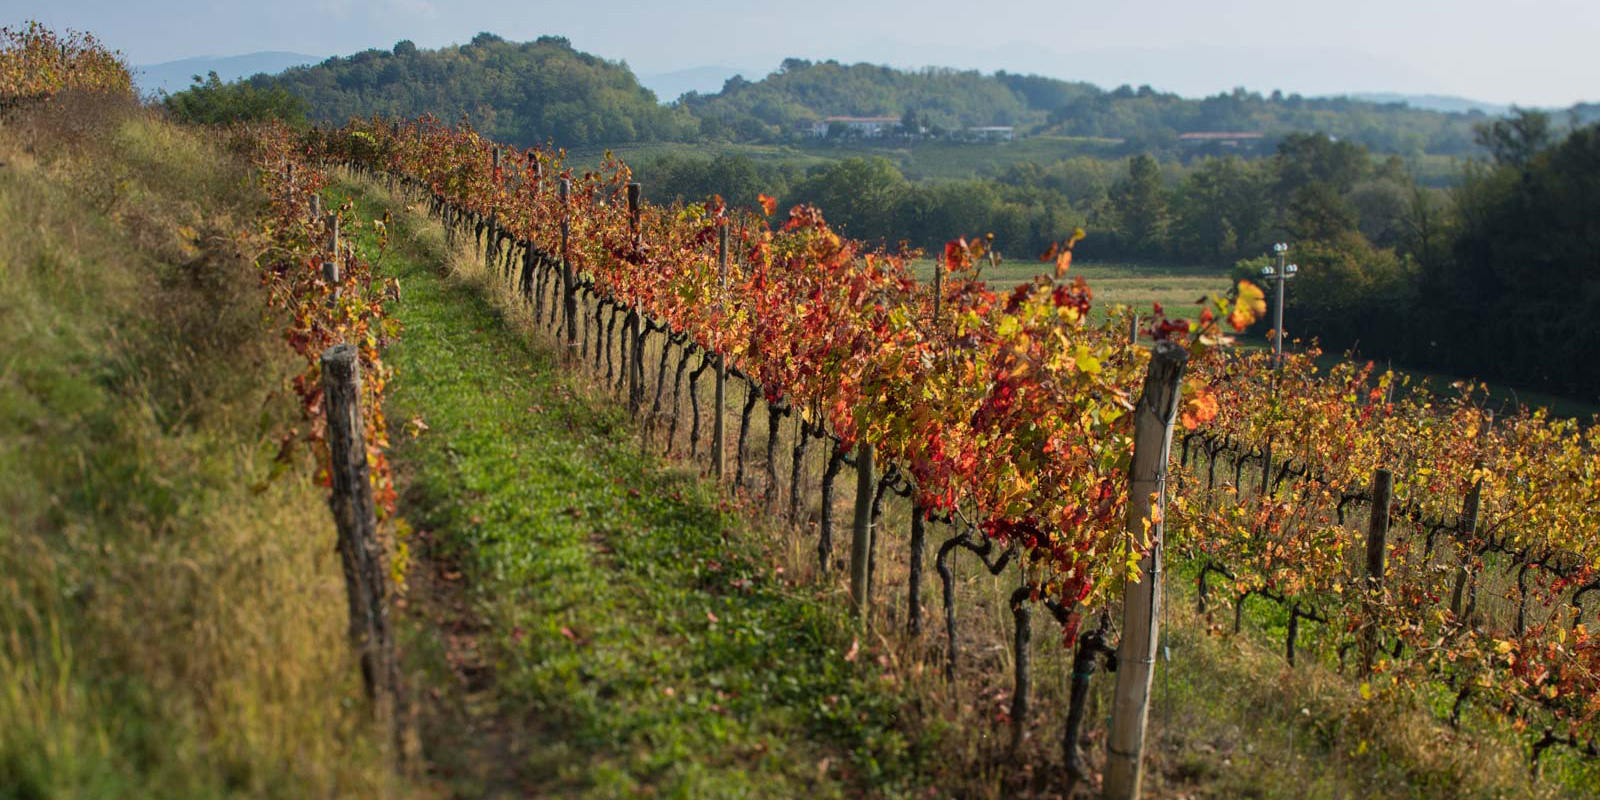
1534 52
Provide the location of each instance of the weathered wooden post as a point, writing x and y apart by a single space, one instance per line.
1377 554
632 323
316 207
569 283
719 456
1147 483
1378 527
919 513
355 515
491 239
1468 524
861 534
330 265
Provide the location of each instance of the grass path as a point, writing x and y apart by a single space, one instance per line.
624 637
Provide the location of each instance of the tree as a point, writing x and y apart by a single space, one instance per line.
1304 159
1139 211
858 195
1221 211
1515 139
212 102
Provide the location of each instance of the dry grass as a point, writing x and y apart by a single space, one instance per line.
172 619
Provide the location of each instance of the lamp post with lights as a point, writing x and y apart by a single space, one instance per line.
1279 274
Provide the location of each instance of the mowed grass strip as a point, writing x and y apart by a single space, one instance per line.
641 640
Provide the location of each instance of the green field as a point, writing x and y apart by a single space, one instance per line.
1177 289
918 161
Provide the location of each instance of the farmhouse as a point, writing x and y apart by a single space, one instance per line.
861 126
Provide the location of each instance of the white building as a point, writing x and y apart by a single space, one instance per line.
993 133
869 127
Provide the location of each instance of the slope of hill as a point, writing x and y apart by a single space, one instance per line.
174 76
524 93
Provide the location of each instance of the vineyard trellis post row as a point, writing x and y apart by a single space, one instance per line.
719 456
1147 486
355 515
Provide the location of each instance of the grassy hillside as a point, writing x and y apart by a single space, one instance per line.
172 618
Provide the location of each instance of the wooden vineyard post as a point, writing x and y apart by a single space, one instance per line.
1377 554
1469 520
355 515
633 324
861 534
1147 483
919 513
330 266
569 283
719 456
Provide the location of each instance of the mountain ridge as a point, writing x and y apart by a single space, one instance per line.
173 76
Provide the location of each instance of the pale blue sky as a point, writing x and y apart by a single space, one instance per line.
1534 52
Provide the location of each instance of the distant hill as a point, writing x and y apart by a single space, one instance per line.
544 90
773 108
174 76
1434 102
669 86
523 93
801 91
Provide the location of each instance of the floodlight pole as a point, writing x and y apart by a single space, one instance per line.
1279 274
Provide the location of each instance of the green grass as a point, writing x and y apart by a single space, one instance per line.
642 641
